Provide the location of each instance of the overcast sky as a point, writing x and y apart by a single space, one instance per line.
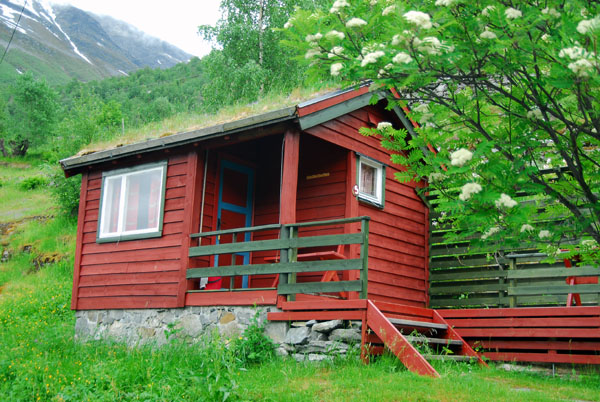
174 21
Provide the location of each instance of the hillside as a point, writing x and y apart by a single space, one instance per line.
63 42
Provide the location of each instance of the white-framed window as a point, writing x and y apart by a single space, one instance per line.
371 181
132 202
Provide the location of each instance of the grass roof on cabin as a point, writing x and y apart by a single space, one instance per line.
182 123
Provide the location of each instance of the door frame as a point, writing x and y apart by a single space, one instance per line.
239 165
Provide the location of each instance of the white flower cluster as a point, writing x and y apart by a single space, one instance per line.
446 3
469 189
460 157
420 19
535 114
402 58
388 10
355 23
333 34
336 68
335 51
487 34
589 244
551 12
312 52
313 39
490 231
436 176
338 5
505 201
588 26
512 13
383 125
431 45
527 228
544 234
582 65
487 10
371 58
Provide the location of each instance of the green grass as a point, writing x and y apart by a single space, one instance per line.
19 204
41 360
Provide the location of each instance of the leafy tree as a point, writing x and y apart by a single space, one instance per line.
250 46
506 93
32 114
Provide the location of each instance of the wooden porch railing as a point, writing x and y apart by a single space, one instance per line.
288 266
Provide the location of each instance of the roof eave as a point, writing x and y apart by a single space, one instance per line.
72 164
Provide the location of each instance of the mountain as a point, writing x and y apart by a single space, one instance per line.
61 42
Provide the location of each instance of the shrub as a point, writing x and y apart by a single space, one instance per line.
31 183
66 192
253 347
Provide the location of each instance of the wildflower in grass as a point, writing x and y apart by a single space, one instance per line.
486 34
383 125
512 13
544 234
388 10
505 201
469 189
420 19
402 58
371 58
491 231
445 3
527 228
333 34
336 68
460 157
356 23
338 5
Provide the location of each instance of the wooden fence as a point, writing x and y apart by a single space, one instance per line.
461 276
289 266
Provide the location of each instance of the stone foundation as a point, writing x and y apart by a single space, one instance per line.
310 340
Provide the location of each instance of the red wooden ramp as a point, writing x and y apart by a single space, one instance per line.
415 335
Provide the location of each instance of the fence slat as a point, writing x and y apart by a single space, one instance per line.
319 287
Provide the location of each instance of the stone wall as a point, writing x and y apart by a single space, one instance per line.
310 340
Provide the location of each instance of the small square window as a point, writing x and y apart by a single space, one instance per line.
371 179
132 201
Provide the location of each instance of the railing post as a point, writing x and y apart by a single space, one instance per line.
512 265
292 257
233 262
364 255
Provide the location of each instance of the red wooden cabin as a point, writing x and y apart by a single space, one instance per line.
142 206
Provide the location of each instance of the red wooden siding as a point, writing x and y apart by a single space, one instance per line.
137 273
398 235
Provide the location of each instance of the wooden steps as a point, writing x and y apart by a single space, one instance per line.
433 341
413 334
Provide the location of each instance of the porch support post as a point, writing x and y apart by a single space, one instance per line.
289 179
288 194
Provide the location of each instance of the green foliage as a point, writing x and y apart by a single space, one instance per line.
31 183
32 114
506 95
66 192
253 347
